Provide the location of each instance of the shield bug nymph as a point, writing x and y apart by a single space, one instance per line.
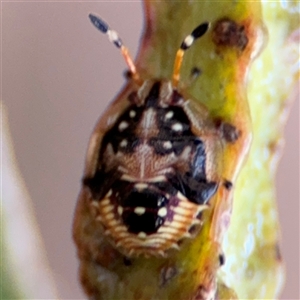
151 167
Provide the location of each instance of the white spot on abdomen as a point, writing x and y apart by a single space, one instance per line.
123 125
162 212
139 210
167 145
169 115
177 127
132 114
123 143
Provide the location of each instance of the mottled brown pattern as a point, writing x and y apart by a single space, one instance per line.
154 106
229 33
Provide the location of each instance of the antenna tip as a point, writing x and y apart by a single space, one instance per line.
200 30
98 23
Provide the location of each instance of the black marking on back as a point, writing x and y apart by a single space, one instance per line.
165 187
165 125
158 145
147 198
179 139
196 191
193 184
198 164
101 182
153 96
149 221
114 136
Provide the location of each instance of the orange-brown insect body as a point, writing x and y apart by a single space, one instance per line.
151 167
151 180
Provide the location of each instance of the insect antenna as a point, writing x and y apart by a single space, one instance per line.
186 44
115 39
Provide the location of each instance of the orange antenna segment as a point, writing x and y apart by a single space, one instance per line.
186 44
114 38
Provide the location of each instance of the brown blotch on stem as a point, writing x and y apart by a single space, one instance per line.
195 73
204 292
278 252
228 185
228 132
166 274
221 259
127 262
193 229
228 33
108 258
127 74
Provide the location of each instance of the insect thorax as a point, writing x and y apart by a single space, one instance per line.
150 184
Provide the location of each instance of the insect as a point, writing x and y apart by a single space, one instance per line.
151 165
